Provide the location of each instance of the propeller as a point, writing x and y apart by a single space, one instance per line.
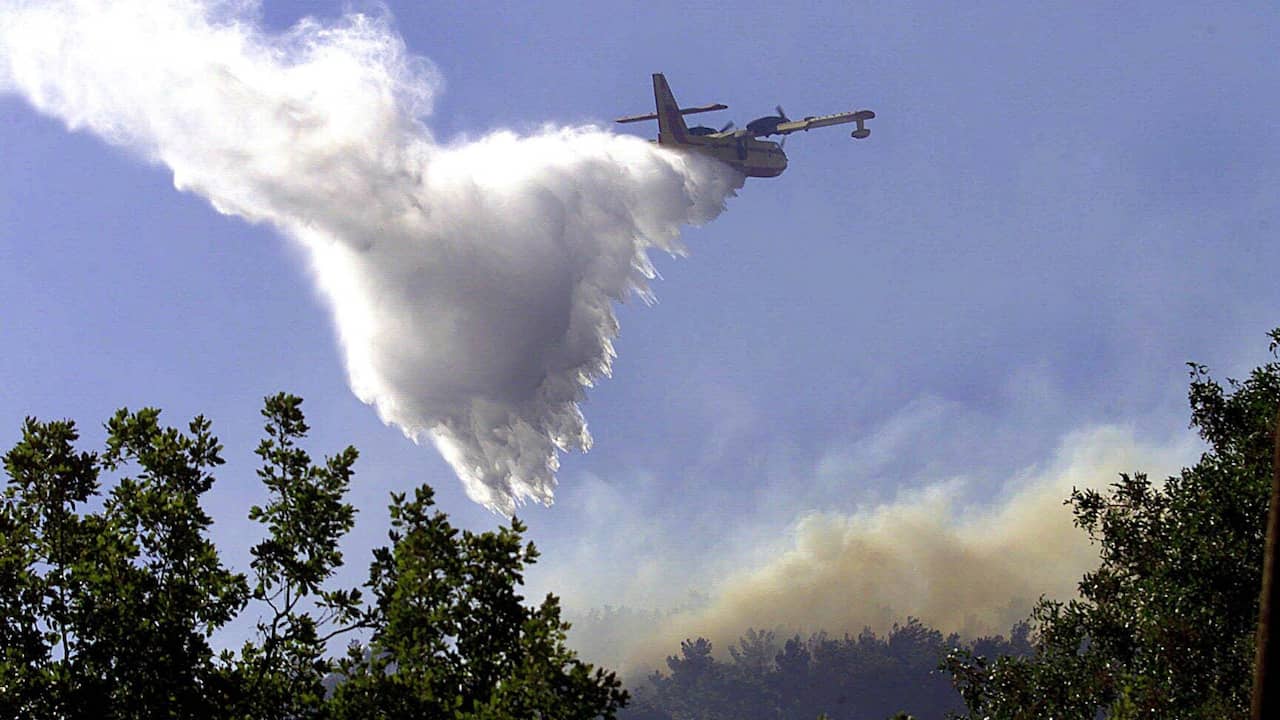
727 126
782 113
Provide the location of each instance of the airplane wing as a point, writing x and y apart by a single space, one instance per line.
810 123
683 111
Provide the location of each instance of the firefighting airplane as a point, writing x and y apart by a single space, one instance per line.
740 148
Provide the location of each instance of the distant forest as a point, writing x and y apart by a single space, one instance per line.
863 677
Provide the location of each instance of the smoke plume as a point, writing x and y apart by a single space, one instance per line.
471 284
930 552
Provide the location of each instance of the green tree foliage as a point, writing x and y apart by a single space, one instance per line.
108 613
108 599
453 638
1164 628
863 677
305 518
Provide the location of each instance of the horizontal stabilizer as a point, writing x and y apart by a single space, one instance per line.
683 111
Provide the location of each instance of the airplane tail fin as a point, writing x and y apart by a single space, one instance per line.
671 127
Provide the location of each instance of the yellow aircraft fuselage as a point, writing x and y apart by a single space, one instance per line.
751 157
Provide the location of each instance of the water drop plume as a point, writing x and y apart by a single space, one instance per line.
471 283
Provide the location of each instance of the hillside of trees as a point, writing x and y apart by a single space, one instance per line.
863 677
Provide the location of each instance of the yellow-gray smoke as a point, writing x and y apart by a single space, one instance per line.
958 566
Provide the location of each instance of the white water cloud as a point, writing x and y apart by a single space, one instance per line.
471 284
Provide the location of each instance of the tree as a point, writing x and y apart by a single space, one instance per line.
107 614
452 636
1165 626
107 602
305 517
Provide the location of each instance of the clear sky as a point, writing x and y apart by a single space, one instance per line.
1060 205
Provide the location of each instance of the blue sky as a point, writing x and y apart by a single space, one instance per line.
1058 207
